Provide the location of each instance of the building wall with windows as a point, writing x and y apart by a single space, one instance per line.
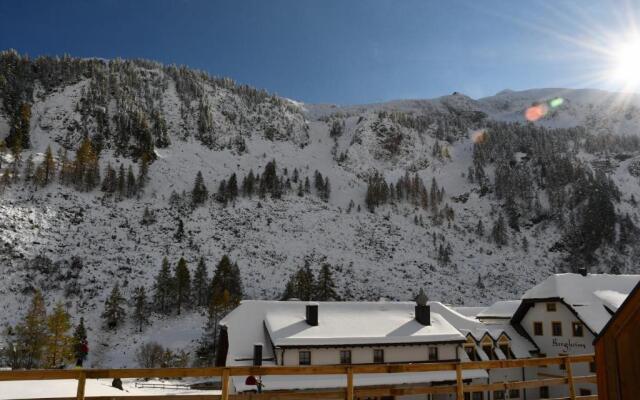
365 355
557 331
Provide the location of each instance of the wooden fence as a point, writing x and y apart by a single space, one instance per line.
349 393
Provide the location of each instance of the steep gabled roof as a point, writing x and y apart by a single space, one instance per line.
589 297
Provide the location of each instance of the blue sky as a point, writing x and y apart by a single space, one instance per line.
335 51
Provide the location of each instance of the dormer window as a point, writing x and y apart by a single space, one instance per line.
506 350
470 349
488 350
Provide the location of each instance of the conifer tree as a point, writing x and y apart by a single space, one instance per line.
32 332
182 284
199 193
248 184
79 340
114 313
131 183
140 308
220 304
29 174
48 167
301 285
86 173
227 277
480 228
59 347
164 288
325 287
232 187
143 172
21 127
200 284
499 232
148 217
109 183
179 235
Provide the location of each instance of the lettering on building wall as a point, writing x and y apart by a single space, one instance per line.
568 344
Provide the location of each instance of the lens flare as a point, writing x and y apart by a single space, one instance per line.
479 136
557 102
536 112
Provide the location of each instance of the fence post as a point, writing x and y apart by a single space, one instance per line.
572 388
225 384
349 383
82 378
459 387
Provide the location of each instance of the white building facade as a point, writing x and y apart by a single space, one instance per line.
560 316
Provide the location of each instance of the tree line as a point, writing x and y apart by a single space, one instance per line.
44 340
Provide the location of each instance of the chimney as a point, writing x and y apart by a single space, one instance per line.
312 314
423 311
257 354
582 271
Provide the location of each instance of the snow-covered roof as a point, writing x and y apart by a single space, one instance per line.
589 295
355 323
520 346
500 309
611 299
469 311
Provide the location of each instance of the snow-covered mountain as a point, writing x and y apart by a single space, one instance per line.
186 121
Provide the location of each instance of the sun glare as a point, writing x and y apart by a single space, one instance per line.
626 64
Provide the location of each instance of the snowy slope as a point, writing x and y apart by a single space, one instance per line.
382 254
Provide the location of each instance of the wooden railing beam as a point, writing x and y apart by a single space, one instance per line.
349 384
225 384
82 378
348 393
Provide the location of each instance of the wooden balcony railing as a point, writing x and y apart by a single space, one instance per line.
349 393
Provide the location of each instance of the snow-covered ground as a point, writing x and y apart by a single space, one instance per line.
94 387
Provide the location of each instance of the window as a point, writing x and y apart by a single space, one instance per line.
577 329
551 307
592 367
304 357
478 396
345 356
585 392
471 352
378 356
537 328
507 351
556 328
498 395
488 350
544 392
433 353
514 393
